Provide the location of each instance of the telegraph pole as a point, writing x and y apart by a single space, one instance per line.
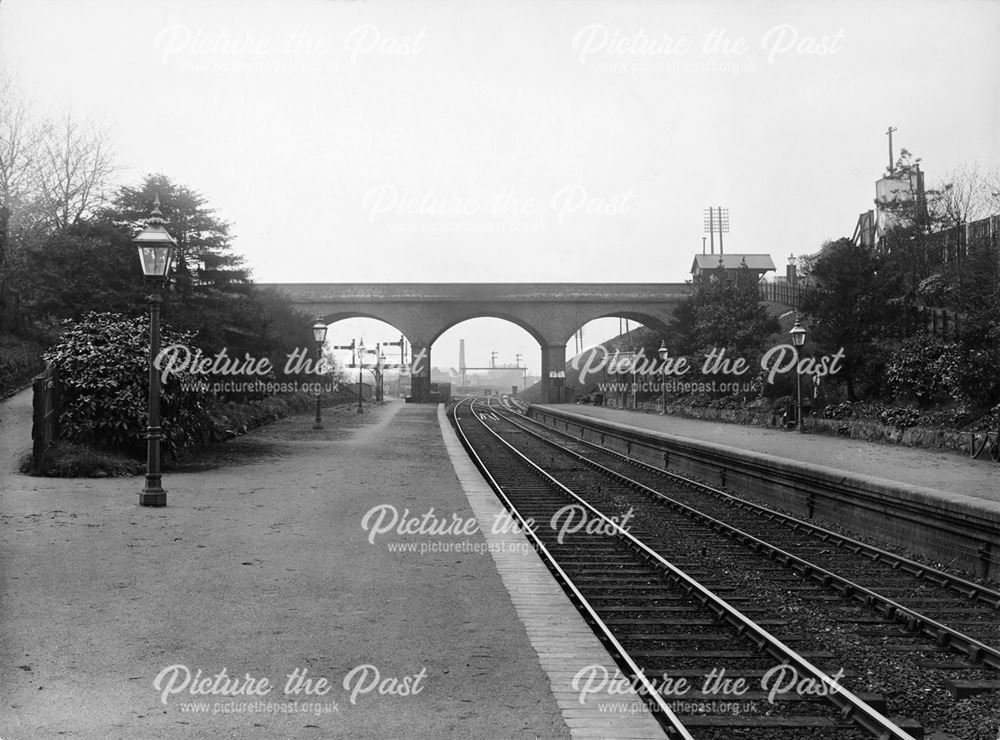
722 229
716 219
892 166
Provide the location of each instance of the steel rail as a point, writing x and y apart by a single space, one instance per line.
675 726
943 635
962 586
851 707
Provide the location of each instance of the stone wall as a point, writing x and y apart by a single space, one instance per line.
864 429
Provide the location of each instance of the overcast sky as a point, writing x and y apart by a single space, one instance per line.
517 141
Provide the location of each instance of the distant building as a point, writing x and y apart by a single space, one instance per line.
900 200
706 265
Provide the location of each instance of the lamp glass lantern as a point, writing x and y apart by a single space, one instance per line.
798 333
662 351
319 331
155 245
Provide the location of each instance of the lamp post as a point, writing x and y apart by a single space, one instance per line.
635 397
798 339
381 377
361 364
663 377
156 252
319 335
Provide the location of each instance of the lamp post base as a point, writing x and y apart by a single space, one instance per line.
318 425
150 497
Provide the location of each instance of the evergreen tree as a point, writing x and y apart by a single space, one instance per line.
210 289
724 312
853 304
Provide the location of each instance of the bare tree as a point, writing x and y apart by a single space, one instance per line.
71 172
992 189
963 197
19 138
53 172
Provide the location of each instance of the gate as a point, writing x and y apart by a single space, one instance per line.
45 417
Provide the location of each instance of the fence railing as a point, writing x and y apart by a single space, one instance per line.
956 242
939 322
785 293
45 417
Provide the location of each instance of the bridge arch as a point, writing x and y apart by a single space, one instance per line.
486 314
656 323
480 336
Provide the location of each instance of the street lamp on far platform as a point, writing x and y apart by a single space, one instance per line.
662 352
798 333
361 365
156 253
381 377
319 335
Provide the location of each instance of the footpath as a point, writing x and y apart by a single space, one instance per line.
935 469
118 621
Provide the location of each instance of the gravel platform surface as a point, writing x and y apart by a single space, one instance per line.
259 566
939 469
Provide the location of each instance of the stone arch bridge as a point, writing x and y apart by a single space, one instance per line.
549 312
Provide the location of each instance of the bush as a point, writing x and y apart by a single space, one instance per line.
103 371
932 371
900 418
926 369
935 290
843 410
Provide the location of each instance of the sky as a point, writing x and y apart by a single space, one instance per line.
545 141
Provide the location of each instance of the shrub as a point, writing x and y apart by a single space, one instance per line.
900 418
926 369
935 290
102 361
930 370
843 410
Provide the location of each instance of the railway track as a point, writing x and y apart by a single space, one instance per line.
914 614
947 608
662 597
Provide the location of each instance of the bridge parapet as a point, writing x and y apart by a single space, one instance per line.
432 292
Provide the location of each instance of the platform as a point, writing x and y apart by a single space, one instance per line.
944 471
265 566
937 504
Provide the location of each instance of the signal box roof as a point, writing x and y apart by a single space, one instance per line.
756 262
